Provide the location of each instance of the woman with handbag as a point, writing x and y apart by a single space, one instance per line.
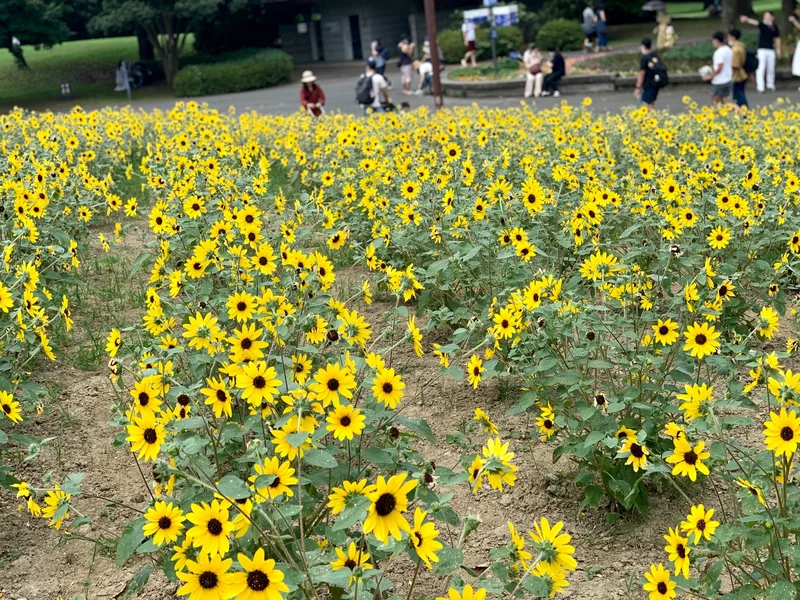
533 71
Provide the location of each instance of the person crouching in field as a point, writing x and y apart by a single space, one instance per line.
311 96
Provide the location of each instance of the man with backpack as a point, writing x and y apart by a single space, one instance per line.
742 66
652 75
372 91
721 77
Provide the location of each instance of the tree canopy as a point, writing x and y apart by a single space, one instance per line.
34 22
166 22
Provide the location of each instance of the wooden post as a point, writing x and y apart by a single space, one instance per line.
430 22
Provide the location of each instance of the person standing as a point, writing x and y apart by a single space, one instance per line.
602 29
533 71
311 96
646 85
722 76
740 75
794 19
372 90
589 26
406 63
468 34
769 49
558 69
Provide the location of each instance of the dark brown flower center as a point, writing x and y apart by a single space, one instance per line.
164 523
208 580
259 382
385 504
221 396
787 433
700 339
662 588
690 458
344 421
680 550
144 398
663 330
257 581
214 526
333 384
350 564
637 451
150 435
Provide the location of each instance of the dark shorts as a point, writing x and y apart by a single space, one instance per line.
590 35
649 95
722 90
470 46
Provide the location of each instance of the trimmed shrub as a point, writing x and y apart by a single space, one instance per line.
561 33
453 49
263 69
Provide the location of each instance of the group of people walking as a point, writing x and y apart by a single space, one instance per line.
733 65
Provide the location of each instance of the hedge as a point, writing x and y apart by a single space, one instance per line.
262 69
561 33
453 49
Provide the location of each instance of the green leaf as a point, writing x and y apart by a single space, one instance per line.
377 456
140 261
420 427
446 477
130 540
320 458
599 364
297 439
781 590
593 438
527 400
233 487
136 583
72 484
355 510
536 586
450 560
545 364
263 481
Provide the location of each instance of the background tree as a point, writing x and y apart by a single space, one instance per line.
34 22
167 24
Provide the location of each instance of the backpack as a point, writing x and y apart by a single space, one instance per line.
750 62
364 93
660 75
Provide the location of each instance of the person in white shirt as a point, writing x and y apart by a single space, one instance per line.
380 88
533 71
468 33
721 77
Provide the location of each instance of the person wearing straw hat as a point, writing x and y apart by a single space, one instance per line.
311 96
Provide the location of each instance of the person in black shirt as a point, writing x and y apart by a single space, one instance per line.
646 90
559 69
769 48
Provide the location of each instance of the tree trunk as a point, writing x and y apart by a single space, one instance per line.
785 27
169 60
730 14
746 7
145 47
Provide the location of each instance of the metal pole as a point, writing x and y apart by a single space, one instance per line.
430 22
493 35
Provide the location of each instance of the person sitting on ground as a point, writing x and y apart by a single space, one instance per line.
311 96
558 69
721 77
425 70
533 71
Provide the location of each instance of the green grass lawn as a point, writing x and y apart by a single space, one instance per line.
87 65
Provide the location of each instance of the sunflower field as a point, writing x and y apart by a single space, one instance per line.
622 290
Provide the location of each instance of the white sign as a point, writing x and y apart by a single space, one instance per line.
302 28
477 16
506 15
489 2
